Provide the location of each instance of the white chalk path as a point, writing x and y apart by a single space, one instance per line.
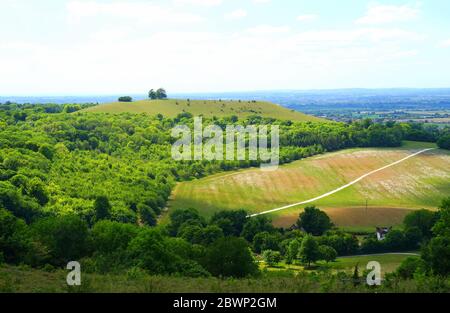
343 187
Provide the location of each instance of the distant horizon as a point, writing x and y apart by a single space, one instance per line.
64 95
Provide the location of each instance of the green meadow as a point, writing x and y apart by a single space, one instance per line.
389 262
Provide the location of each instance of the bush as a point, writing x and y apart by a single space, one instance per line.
327 253
272 257
409 267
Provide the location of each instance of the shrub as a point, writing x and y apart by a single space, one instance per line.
272 257
327 253
409 267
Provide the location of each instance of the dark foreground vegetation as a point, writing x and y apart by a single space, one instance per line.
90 187
217 255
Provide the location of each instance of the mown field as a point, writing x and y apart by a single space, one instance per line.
173 107
419 182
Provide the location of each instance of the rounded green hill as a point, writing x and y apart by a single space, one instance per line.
206 108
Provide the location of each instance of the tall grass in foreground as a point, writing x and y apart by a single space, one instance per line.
22 279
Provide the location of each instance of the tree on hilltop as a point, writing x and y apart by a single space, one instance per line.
152 94
159 94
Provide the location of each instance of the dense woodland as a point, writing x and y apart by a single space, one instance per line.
91 187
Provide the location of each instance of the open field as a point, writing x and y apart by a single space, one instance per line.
389 263
419 182
173 107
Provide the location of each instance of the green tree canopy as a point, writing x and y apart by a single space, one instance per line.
314 221
230 257
309 250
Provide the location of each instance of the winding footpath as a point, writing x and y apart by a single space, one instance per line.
343 187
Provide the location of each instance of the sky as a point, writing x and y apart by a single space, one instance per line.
87 47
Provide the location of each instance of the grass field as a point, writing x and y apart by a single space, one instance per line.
389 263
173 107
419 182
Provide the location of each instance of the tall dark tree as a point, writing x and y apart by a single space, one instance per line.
152 94
102 208
422 219
314 221
444 142
161 94
309 250
230 257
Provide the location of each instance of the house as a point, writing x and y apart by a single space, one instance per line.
382 232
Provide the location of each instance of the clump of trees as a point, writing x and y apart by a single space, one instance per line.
159 94
125 99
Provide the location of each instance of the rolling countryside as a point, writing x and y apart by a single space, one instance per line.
420 182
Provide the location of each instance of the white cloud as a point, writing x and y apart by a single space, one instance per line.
444 44
357 36
139 12
201 61
267 30
115 55
260 1
237 14
206 3
307 17
383 14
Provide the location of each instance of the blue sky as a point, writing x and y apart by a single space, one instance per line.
72 47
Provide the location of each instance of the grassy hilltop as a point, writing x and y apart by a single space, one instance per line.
207 108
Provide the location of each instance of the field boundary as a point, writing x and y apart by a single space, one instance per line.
342 187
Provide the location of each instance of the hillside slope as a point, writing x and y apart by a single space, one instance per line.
173 107
420 182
